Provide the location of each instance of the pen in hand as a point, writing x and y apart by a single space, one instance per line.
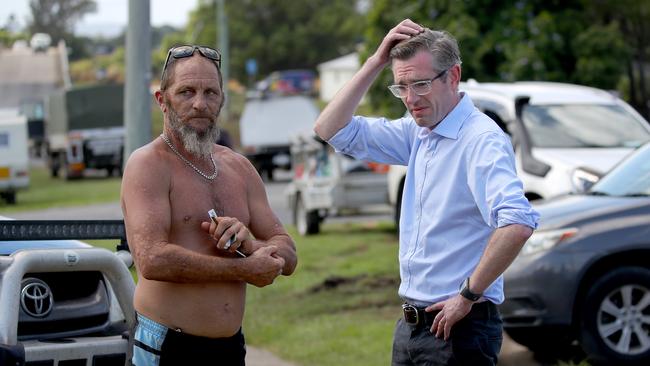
213 217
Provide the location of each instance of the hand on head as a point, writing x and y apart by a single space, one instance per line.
404 30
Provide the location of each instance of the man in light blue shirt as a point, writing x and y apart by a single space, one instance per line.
464 214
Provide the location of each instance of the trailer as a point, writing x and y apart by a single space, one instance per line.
329 183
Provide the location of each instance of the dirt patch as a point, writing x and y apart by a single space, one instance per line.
363 281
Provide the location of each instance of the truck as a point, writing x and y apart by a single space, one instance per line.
85 130
34 110
63 301
14 155
266 126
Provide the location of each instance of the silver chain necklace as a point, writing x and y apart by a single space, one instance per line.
214 164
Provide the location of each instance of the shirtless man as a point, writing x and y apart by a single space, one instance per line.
191 280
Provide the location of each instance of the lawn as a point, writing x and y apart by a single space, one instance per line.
47 192
341 304
338 308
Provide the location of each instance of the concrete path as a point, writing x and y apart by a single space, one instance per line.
260 357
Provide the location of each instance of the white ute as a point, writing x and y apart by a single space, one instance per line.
565 136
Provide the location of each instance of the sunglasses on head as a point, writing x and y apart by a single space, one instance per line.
188 50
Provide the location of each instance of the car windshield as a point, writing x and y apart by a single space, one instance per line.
581 125
629 178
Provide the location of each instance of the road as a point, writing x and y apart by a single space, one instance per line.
512 354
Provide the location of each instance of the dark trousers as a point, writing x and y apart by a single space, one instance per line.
474 340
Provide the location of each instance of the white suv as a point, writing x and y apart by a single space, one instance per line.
565 136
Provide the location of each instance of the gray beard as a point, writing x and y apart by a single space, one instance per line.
195 142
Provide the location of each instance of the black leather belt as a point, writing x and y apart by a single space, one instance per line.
416 316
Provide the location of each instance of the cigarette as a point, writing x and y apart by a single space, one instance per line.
213 217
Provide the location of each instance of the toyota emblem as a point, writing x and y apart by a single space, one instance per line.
36 298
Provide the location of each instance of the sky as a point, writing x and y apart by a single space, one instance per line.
111 15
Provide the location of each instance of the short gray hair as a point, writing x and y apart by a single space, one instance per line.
442 46
168 73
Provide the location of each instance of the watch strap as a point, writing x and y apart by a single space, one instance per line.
467 293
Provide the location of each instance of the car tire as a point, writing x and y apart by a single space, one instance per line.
614 325
269 174
307 222
10 197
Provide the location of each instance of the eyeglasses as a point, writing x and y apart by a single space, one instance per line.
422 87
188 51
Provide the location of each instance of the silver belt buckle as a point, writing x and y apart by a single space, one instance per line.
411 315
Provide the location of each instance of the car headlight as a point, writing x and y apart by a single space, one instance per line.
582 179
545 240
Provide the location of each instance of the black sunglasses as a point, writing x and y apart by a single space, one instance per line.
188 51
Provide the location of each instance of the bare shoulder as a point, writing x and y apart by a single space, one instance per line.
235 161
148 160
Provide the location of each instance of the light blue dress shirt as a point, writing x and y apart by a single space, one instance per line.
461 184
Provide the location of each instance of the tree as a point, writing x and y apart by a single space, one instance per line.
544 40
279 34
58 17
633 20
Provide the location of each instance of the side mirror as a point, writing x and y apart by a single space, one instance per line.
522 140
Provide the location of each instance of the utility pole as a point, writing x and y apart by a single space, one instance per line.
222 41
137 99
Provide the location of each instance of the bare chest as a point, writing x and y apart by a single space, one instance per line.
192 196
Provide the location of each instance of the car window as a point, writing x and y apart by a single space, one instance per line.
631 177
575 126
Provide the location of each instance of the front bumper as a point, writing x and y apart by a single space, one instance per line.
540 289
111 350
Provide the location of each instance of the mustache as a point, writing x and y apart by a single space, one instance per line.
200 115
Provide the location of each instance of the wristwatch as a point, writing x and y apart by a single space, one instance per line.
466 293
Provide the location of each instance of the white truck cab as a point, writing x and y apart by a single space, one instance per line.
565 136
14 155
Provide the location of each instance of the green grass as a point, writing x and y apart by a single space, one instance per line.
338 308
46 192
341 304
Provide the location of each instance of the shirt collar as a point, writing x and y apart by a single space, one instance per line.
451 124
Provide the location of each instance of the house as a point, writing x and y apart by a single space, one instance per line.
335 73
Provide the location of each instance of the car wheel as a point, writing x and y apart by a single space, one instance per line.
307 222
10 197
269 174
616 321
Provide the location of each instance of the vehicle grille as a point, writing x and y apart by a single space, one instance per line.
80 306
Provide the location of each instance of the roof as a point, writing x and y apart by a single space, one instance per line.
544 92
347 62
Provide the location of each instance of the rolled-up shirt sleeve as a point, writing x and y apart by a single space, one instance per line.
375 139
493 181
